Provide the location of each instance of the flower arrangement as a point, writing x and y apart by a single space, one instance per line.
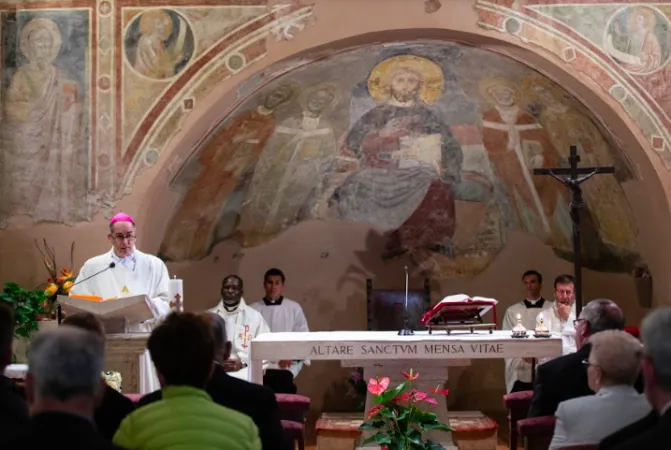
358 387
397 417
58 283
113 379
27 306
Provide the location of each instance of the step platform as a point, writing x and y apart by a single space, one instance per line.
472 430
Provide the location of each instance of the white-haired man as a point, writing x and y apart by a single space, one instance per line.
613 365
656 336
63 387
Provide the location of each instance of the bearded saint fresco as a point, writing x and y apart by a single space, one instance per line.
405 156
400 165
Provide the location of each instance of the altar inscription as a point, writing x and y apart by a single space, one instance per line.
421 349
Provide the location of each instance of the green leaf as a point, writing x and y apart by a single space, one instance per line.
420 416
372 438
433 445
436 426
391 394
382 438
366 426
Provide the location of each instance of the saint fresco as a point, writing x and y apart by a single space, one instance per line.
416 141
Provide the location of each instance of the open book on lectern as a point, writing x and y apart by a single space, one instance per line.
135 309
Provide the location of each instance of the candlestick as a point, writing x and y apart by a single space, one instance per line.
519 331
406 331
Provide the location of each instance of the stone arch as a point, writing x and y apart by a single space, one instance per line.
622 131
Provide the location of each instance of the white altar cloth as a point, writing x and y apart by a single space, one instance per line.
388 345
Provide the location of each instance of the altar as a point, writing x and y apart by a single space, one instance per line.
385 353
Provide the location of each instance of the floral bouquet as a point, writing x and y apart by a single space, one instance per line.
58 283
113 379
397 417
358 387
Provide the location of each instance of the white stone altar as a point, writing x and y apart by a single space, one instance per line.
385 353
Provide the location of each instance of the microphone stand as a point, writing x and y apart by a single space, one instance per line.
59 313
406 331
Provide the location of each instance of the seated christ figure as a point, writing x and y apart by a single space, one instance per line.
400 162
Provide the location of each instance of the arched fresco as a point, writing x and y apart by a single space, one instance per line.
415 140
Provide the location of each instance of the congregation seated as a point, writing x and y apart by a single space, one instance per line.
257 402
13 407
182 350
63 386
114 406
565 377
652 432
613 365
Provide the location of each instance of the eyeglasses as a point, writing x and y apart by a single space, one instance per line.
577 321
123 237
586 363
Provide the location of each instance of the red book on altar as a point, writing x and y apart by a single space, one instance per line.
460 310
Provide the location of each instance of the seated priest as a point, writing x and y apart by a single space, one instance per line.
613 365
560 317
243 324
282 315
518 370
565 377
125 271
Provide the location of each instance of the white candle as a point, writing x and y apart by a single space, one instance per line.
406 288
519 316
176 292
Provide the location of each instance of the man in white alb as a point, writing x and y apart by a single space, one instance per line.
242 324
281 315
518 370
125 271
559 318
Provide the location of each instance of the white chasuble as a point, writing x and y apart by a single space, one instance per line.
284 315
564 328
516 368
242 325
139 274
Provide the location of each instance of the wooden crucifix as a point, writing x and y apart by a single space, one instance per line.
572 181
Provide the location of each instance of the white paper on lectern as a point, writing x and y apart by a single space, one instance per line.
135 309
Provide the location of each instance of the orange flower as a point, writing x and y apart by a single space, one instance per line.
51 289
410 376
67 285
377 386
66 273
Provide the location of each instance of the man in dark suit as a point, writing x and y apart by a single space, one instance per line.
656 336
114 406
630 431
565 377
63 386
13 407
256 401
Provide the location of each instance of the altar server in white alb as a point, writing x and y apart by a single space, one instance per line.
560 317
243 324
281 315
125 271
518 370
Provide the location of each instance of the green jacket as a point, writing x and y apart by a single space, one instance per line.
187 419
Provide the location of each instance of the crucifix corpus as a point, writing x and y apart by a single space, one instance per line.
572 181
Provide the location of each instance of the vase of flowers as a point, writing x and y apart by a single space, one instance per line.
59 282
398 420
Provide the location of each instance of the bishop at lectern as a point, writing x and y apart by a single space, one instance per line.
125 271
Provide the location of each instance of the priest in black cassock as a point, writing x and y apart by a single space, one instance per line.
518 370
282 315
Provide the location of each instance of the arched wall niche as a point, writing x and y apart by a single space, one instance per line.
649 200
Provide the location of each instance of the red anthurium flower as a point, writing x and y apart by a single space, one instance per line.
430 400
410 376
377 386
402 398
439 391
374 410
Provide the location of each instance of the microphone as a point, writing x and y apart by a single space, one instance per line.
112 265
